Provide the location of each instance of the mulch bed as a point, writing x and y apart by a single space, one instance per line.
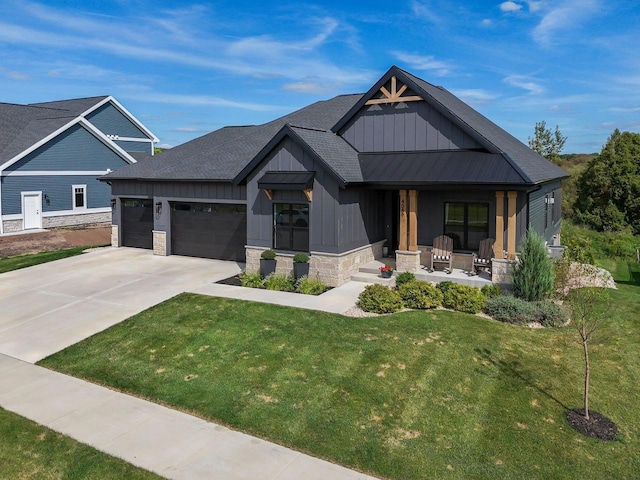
598 426
235 281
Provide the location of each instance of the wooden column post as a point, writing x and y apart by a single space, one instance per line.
413 220
511 227
499 245
403 221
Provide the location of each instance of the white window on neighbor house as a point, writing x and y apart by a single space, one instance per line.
79 197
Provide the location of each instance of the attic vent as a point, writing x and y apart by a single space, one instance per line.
395 96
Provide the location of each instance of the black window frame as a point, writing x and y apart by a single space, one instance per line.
294 227
464 241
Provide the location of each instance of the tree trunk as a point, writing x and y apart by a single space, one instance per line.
585 347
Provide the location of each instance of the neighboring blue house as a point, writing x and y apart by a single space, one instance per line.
51 155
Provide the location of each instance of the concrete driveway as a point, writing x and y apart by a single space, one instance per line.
48 307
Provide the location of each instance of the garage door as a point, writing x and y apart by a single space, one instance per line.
137 223
209 230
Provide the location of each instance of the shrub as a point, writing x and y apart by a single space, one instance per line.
379 299
533 274
491 291
268 255
404 277
252 280
508 309
418 294
310 286
464 298
444 286
279 282
550 314
301 258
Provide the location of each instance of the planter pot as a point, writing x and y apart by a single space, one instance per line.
267 267
386 273
300 270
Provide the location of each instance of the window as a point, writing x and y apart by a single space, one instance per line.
291 226
467 224
79 196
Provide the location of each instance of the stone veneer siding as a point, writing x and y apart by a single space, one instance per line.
11 226
114 236
333 269
502 272
408 261
76 219
160 243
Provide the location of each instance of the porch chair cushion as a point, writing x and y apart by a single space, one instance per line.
442 252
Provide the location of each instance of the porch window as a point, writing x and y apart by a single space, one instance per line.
467 224
291 226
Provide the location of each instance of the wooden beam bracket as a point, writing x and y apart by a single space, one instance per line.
393 96
308 193
268 193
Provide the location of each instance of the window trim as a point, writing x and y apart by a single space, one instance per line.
290 227
84 197
465 227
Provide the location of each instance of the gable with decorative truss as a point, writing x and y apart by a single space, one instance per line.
393 94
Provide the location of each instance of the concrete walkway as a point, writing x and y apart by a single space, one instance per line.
37 319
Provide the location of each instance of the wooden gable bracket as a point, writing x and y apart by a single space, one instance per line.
394 96
308 193
268 193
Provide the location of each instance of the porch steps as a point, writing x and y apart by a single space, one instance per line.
373 277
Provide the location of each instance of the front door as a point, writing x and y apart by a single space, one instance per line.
32 210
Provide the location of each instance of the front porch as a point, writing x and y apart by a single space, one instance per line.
370 273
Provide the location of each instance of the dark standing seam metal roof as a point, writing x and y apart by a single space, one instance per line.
286 180
438 168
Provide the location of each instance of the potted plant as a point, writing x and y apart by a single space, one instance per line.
300 265
267 263
386 271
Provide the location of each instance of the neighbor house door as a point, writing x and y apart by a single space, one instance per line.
32 210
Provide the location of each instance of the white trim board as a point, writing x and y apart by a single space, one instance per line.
60 213
54 173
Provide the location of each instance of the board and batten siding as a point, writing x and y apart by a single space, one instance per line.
339 218
404 127
73 150
59 189
542 217
111 121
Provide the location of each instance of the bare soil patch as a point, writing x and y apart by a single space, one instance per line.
55 239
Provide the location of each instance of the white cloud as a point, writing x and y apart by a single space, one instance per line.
562 17
510 6
521 81
203 100
475 97
424 63
309 87
13 75
425 12
534 6
486 22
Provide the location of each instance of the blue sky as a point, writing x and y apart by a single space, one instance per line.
185 69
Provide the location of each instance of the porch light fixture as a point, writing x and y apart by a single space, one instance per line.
158 208
113 204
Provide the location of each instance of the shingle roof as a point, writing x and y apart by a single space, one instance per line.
230 153
22 126
76 106
223 154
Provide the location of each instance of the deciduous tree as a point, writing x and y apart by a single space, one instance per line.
547 143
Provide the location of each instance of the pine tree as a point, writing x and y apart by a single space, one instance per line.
533 274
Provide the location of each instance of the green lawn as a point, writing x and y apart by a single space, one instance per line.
31 451
22 261
412 395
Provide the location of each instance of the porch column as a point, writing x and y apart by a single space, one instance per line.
413 220
511 228
499 245
402 243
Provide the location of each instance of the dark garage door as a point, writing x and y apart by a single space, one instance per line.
137 223
209 230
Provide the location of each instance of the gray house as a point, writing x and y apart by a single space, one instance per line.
399 165
51 155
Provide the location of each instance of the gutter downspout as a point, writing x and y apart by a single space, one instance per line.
1 221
